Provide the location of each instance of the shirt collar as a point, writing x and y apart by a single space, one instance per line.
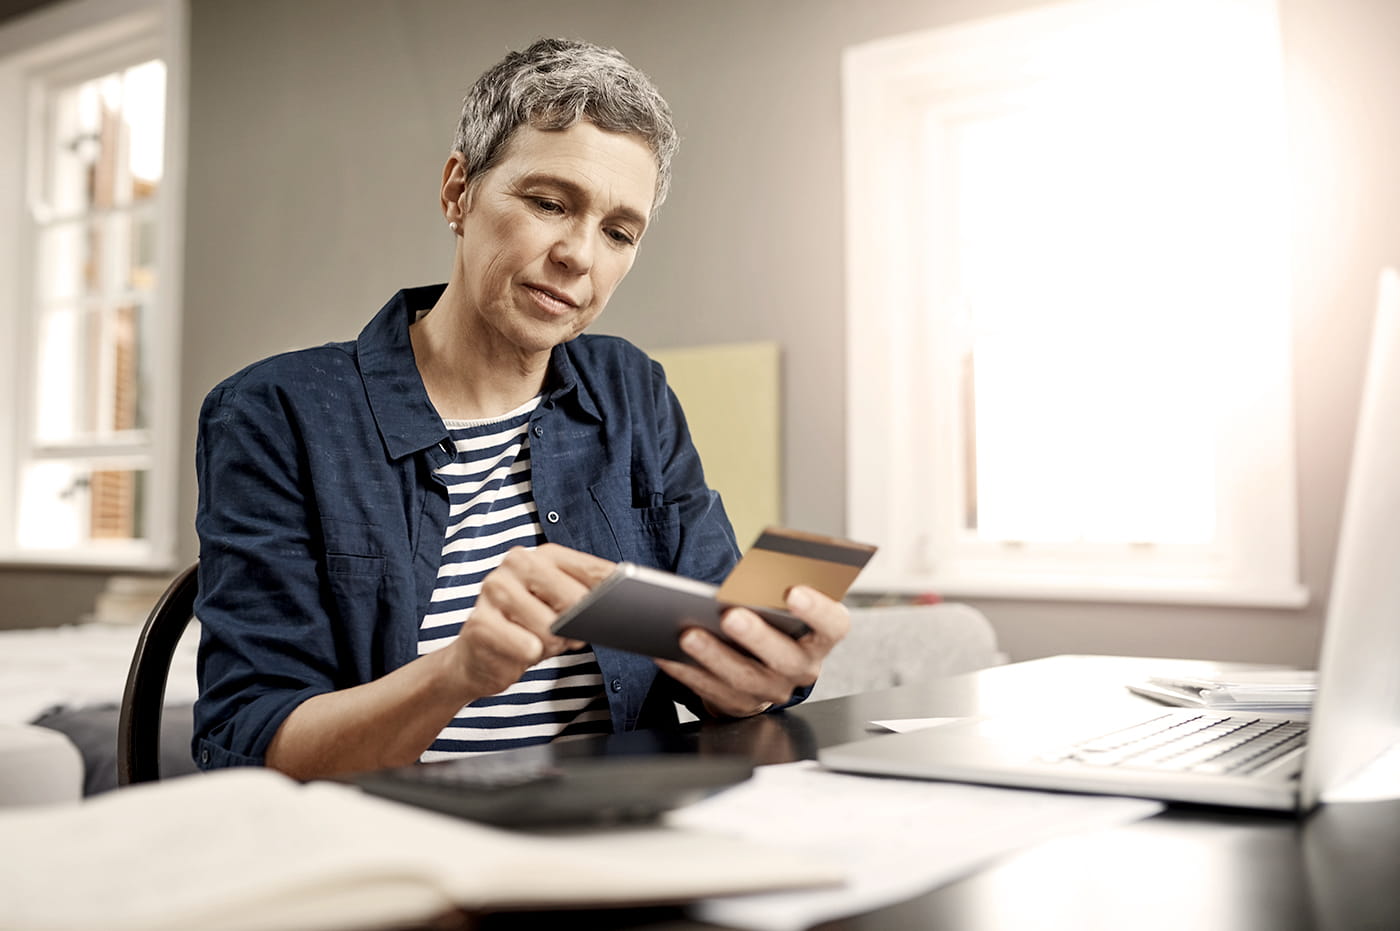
563 386
407 420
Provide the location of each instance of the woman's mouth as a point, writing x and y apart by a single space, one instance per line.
551 301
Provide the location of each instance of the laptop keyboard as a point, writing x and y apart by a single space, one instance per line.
1206 743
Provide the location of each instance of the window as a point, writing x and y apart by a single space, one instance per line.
89 303
1069 331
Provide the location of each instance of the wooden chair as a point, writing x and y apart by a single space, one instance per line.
143 702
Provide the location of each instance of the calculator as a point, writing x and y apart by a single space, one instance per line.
539 786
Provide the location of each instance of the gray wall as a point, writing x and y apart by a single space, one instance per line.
318 132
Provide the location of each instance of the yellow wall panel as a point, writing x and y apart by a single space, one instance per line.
730 394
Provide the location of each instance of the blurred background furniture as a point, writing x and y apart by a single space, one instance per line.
891 645
70 680
38 766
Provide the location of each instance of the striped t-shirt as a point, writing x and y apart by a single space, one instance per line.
491 509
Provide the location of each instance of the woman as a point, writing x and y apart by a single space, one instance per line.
389 526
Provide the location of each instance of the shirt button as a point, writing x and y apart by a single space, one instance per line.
204 756
616 685
539 431
552 517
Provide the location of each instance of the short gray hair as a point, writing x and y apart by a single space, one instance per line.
554 84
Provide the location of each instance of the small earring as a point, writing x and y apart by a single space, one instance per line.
452 226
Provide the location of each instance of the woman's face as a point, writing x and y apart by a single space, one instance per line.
551 230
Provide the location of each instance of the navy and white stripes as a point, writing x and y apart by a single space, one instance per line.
491 509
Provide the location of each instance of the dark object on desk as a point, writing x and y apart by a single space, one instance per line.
541 786
143 702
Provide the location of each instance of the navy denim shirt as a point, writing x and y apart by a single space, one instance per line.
321 523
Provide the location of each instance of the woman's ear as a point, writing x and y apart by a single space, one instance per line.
454 186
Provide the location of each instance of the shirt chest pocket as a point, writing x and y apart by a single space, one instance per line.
355 567
646 531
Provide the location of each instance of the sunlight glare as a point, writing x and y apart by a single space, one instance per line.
1121 232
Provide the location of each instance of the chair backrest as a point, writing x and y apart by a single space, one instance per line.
895 644
143 702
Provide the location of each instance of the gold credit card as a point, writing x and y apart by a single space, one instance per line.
780 559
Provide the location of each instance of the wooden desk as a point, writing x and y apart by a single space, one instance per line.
1188 869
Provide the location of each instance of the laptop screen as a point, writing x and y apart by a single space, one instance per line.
1357 712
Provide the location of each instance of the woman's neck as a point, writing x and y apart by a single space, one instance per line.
468 371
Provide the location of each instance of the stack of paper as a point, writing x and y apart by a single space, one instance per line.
1281 690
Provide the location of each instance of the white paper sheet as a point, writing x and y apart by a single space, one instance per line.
896 838
905 725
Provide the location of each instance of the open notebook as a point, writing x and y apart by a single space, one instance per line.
1356 708
252 849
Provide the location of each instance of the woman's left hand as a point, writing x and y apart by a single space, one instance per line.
737 686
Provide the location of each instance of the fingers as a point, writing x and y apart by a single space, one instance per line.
509 627
796 661
531 587
526 590
585 567
770 665
493 652
721 699
829 620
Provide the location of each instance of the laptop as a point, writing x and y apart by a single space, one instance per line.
1355 714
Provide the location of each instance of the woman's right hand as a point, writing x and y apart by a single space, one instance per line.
508 630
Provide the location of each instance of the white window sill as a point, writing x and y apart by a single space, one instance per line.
88 561
1124 590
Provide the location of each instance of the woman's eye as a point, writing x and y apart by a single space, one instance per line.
622 237
548 206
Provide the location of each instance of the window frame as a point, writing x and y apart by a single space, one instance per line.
73 41
906 465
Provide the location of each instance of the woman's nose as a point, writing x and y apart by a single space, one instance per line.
574 249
